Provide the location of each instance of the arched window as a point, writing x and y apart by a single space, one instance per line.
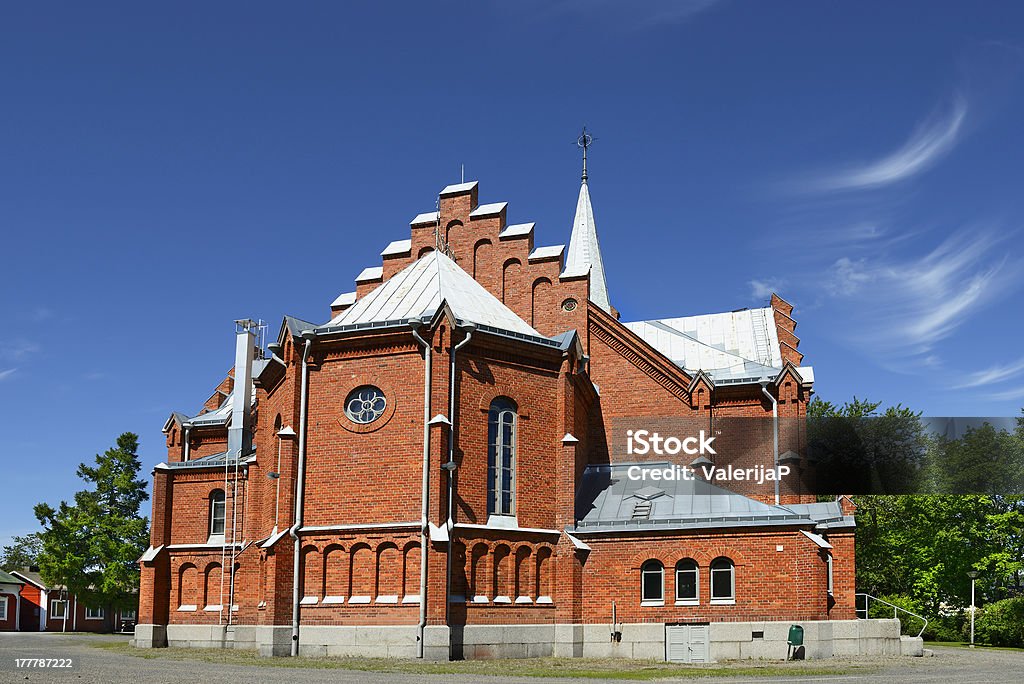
687 581
723 581
652 583
501 457
217 513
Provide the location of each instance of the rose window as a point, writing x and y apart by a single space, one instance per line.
365 404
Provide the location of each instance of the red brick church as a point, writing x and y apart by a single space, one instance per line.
436 471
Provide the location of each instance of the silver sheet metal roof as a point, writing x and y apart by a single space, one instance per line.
584 255
608 500
738 346
418 290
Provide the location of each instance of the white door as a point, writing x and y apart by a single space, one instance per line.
686 643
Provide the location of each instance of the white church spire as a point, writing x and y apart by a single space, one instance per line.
584 249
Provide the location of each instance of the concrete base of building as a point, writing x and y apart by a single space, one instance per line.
437 643
150 636
645 641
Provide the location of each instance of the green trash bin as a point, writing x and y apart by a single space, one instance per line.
795 641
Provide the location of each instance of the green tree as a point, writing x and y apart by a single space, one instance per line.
22 552
92 546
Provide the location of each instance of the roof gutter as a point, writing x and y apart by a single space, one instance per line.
424 507
775 430
300 487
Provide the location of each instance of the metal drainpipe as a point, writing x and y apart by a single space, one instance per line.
188 446
300 488
468 328
424 508
775 429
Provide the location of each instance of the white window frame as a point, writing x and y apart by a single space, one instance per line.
644 571
128 615
91 613
63 603
829 574
695 570
723 600
3 607
495 479
222 502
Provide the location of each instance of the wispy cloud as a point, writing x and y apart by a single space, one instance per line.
1008 395
992 375
903 307
4 374
932 139
18 349
635 15
763 289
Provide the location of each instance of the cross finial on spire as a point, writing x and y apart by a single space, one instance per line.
585 140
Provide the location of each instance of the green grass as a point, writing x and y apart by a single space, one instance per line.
963 644
583 668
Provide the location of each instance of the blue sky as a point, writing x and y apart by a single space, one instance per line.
863 159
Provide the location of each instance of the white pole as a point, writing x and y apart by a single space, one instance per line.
972 612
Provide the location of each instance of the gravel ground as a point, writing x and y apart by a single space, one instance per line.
98 666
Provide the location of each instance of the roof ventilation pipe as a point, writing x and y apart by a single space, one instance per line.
775 431
300 487
240 430
416 324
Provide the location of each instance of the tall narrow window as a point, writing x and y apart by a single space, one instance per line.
501 458
723 581
652 583
828 569
217 513
687 581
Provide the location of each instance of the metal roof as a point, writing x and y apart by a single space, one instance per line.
219 460
397 247
608 500
426 217
418 290
370 273
345 299
738 346
516 230
488 210
458 187
585 252
550 252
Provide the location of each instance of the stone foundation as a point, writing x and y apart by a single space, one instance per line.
644 641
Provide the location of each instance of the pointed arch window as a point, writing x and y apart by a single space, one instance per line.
501 457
